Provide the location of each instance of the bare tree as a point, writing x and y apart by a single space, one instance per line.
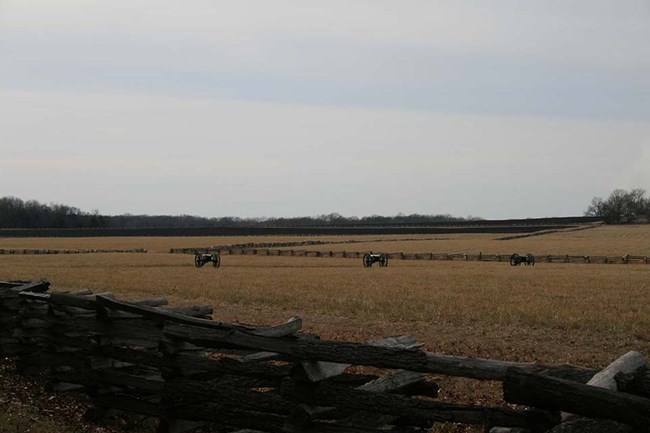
621 206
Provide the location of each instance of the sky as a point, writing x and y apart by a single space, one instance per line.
271 108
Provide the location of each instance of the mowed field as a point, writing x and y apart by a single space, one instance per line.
583 314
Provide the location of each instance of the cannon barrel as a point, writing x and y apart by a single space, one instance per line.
369 259
201 259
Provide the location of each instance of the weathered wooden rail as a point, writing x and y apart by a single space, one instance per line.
263 245
69 251
592 225
481 257
178 365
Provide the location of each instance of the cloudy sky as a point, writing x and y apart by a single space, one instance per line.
499 109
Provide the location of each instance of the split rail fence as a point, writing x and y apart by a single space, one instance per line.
546 258
69 251
181 367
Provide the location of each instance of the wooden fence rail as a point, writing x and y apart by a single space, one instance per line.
481 257
178 365
265 245
69 251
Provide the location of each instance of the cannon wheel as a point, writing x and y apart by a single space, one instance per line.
367 260
530 259
383 260
216 260
515 260
198 260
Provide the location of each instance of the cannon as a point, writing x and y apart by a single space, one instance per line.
516 259
370 258
201 259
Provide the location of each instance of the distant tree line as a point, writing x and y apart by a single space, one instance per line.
328 220
621 207
16 213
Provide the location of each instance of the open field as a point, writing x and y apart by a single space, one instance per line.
559 313
603 240
488 309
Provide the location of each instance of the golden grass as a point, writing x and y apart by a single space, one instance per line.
164 244
604 240
152 244
494 309
584 314
479 300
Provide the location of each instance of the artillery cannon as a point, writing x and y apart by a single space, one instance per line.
516 259
370 258
201 259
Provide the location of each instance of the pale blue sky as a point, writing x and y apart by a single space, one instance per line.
280 108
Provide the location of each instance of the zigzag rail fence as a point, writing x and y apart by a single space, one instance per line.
263 250
184 369
69 251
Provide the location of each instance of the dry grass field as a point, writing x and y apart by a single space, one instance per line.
603 240
584 314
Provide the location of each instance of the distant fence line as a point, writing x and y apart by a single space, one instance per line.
265 249
483 227
481 257
548 232
261 245
69 251
258 245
